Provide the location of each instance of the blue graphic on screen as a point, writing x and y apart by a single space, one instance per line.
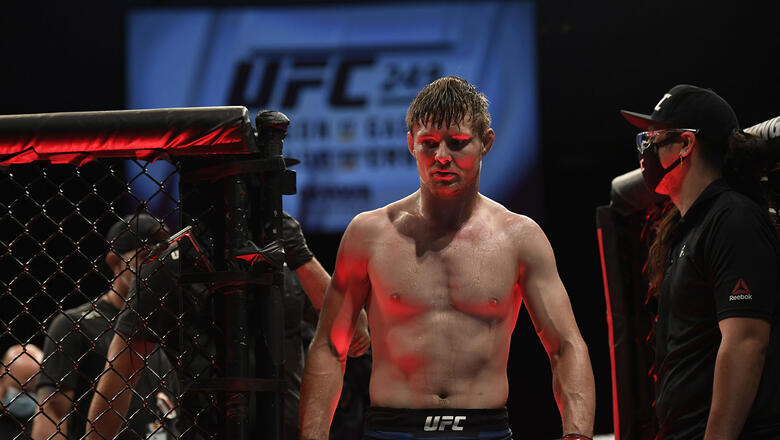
345 75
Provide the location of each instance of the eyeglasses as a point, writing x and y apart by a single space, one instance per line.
644 140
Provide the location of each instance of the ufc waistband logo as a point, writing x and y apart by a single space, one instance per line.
440 423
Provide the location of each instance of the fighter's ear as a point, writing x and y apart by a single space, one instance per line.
410 142
487 141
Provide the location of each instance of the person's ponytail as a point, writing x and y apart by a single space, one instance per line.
659 250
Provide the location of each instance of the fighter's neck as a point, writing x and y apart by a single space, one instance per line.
451 212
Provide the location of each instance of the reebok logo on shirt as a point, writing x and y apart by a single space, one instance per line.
740 291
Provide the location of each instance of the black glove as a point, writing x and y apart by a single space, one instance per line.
296 253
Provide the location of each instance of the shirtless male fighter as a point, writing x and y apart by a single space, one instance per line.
442 274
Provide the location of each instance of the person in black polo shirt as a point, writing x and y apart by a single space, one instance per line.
76 349
714 270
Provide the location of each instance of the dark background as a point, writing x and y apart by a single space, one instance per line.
594 59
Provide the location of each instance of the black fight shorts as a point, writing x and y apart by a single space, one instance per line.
438 423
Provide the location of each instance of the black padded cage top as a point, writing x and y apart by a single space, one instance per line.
78 137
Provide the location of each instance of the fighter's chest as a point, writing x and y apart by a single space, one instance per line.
472 273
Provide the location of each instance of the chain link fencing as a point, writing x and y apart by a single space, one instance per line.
164 333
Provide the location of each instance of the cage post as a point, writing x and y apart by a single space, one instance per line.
236 305
272 128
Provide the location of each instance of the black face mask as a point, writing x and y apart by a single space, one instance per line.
652 170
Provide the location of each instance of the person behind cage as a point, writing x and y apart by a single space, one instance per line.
77 342
21 364
144 335
713 268
442 273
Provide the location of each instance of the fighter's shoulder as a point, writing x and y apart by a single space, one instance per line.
367 221
380 219
511 222
522 230
363 228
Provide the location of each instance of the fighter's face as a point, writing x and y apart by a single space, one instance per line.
448 158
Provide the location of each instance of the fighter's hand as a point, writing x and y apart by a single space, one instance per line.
296 252
361 340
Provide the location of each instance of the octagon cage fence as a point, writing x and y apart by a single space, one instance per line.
203 301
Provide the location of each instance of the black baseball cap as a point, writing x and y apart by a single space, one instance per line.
135 231
687 106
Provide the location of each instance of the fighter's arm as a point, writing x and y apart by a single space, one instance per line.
742 349
314 278
550 310
114 388
325 363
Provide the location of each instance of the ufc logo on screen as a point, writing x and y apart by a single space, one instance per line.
280 80
441 423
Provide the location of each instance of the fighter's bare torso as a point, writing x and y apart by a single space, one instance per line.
442 305
442 274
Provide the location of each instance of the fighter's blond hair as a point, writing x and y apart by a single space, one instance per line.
449 100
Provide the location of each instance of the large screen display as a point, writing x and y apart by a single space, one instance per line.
345 76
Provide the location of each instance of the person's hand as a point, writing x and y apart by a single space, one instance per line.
361 340
296 252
